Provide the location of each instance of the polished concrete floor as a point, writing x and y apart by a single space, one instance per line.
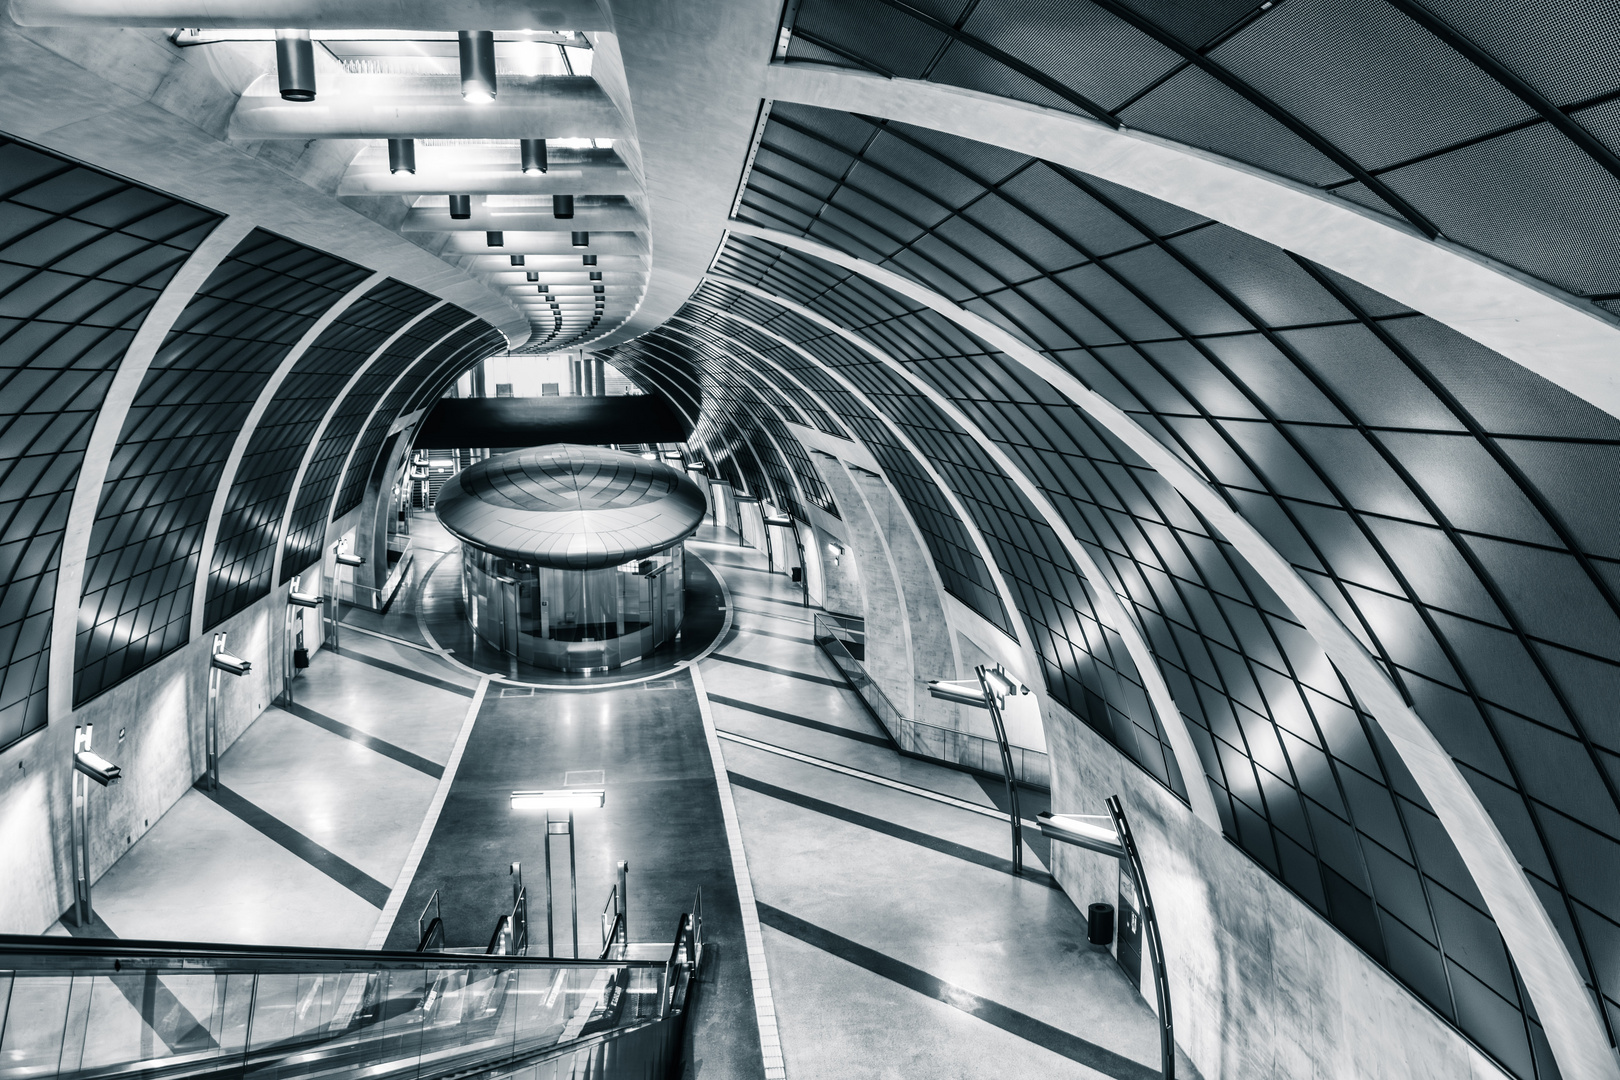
899 942
862 909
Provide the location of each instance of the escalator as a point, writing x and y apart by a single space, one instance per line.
87 1009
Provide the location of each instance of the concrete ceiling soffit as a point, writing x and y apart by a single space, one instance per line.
1562 338
128 102
1561 1000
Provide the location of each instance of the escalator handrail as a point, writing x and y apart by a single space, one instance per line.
70 953
427 935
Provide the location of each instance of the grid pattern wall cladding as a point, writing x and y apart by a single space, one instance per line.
240 572
83 257
1454 509
962 571
1497 126
425 380
142 563
758 412
307 529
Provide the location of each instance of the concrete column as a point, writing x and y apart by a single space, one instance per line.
933 646
751 521
888 629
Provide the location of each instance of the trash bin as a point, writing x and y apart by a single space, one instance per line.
1100 924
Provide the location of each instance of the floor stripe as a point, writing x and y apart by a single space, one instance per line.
797 602
872 778
789 672
162 1013
768 614
407 642
407 873
407 673
344 873
799 638
884 826
1007 1019
802 721
370 742
770 1040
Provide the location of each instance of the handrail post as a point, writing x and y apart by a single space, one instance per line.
1150 923
992 702
624 901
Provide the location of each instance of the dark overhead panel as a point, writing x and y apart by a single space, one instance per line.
507 423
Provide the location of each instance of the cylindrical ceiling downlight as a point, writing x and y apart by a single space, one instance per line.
295 65
478 66
402 156
460 207
534 155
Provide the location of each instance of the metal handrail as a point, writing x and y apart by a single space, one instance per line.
434 934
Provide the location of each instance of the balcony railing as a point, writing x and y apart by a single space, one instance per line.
837 636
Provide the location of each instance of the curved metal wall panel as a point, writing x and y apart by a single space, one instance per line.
141 568
240 572
83 257
454 355
307 529
961 569
1424 485
1491 126
750 407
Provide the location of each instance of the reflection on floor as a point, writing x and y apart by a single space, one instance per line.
899 943
878 896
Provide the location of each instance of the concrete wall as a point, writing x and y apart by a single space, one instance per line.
1261 986
933 646
841 580
161 715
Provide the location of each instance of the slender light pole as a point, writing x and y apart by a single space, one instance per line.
297 601
991 693
552 802
1111 835
218 661
87 766
340 552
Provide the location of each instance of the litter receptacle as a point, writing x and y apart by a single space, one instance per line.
1100 924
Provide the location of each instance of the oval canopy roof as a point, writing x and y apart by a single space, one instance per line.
571 507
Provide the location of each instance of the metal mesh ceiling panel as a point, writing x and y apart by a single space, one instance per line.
307 529
240 572
83 257
1418 481
1487 123
144 547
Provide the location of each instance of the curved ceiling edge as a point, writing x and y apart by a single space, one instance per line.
1563 339
1562 1002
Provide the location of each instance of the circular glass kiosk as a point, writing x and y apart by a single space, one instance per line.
573 556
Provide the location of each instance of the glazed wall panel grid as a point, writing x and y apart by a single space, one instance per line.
1386 456
83 257
249 529
307 529
144 546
